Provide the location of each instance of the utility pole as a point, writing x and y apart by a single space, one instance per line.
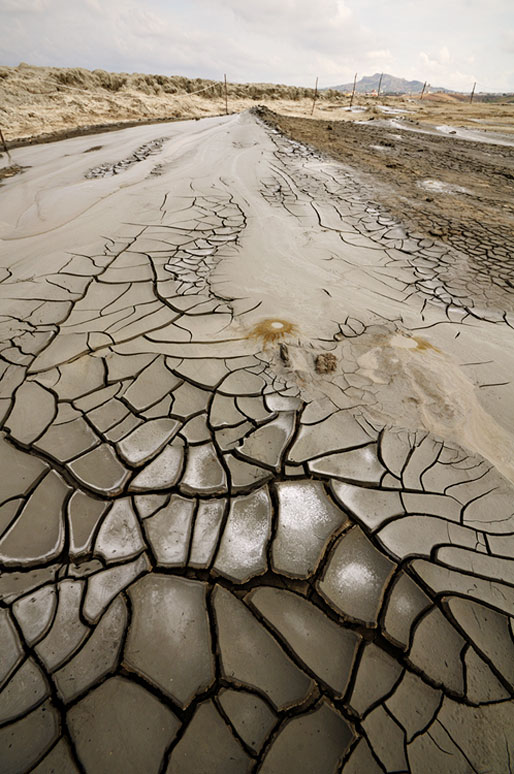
226 96
423 90
472 93
353 92
379 85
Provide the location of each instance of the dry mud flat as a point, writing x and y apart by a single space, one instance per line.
256 506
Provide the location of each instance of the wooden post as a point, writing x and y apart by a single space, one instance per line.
315 96
4 144
226 96
423 90
472 92
379 85
353 92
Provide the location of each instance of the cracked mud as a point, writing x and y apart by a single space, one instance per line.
256 446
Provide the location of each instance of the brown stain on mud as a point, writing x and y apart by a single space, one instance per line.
423 344
11 171
271 330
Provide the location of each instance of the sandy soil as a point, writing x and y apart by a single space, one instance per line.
52 103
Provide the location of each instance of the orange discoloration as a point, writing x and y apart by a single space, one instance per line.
272 329
423 344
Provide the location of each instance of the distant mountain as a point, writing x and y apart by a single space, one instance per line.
390 85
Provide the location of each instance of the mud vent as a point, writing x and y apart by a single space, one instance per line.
272 329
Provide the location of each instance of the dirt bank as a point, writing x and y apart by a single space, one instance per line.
43 101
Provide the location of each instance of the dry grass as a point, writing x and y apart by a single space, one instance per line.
38 101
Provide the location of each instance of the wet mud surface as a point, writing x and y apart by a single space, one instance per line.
256 443
456 190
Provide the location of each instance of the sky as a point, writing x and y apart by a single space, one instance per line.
449 43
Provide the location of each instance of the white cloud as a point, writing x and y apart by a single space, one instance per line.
289 41
23 6
302 38
444 55
441 69
291 17
507 41
381 54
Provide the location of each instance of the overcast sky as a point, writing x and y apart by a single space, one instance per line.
450 43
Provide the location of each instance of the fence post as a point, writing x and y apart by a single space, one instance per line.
4 144
379 85
353 92
315 96
226 96
472 93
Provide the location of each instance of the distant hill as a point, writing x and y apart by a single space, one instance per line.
390 85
